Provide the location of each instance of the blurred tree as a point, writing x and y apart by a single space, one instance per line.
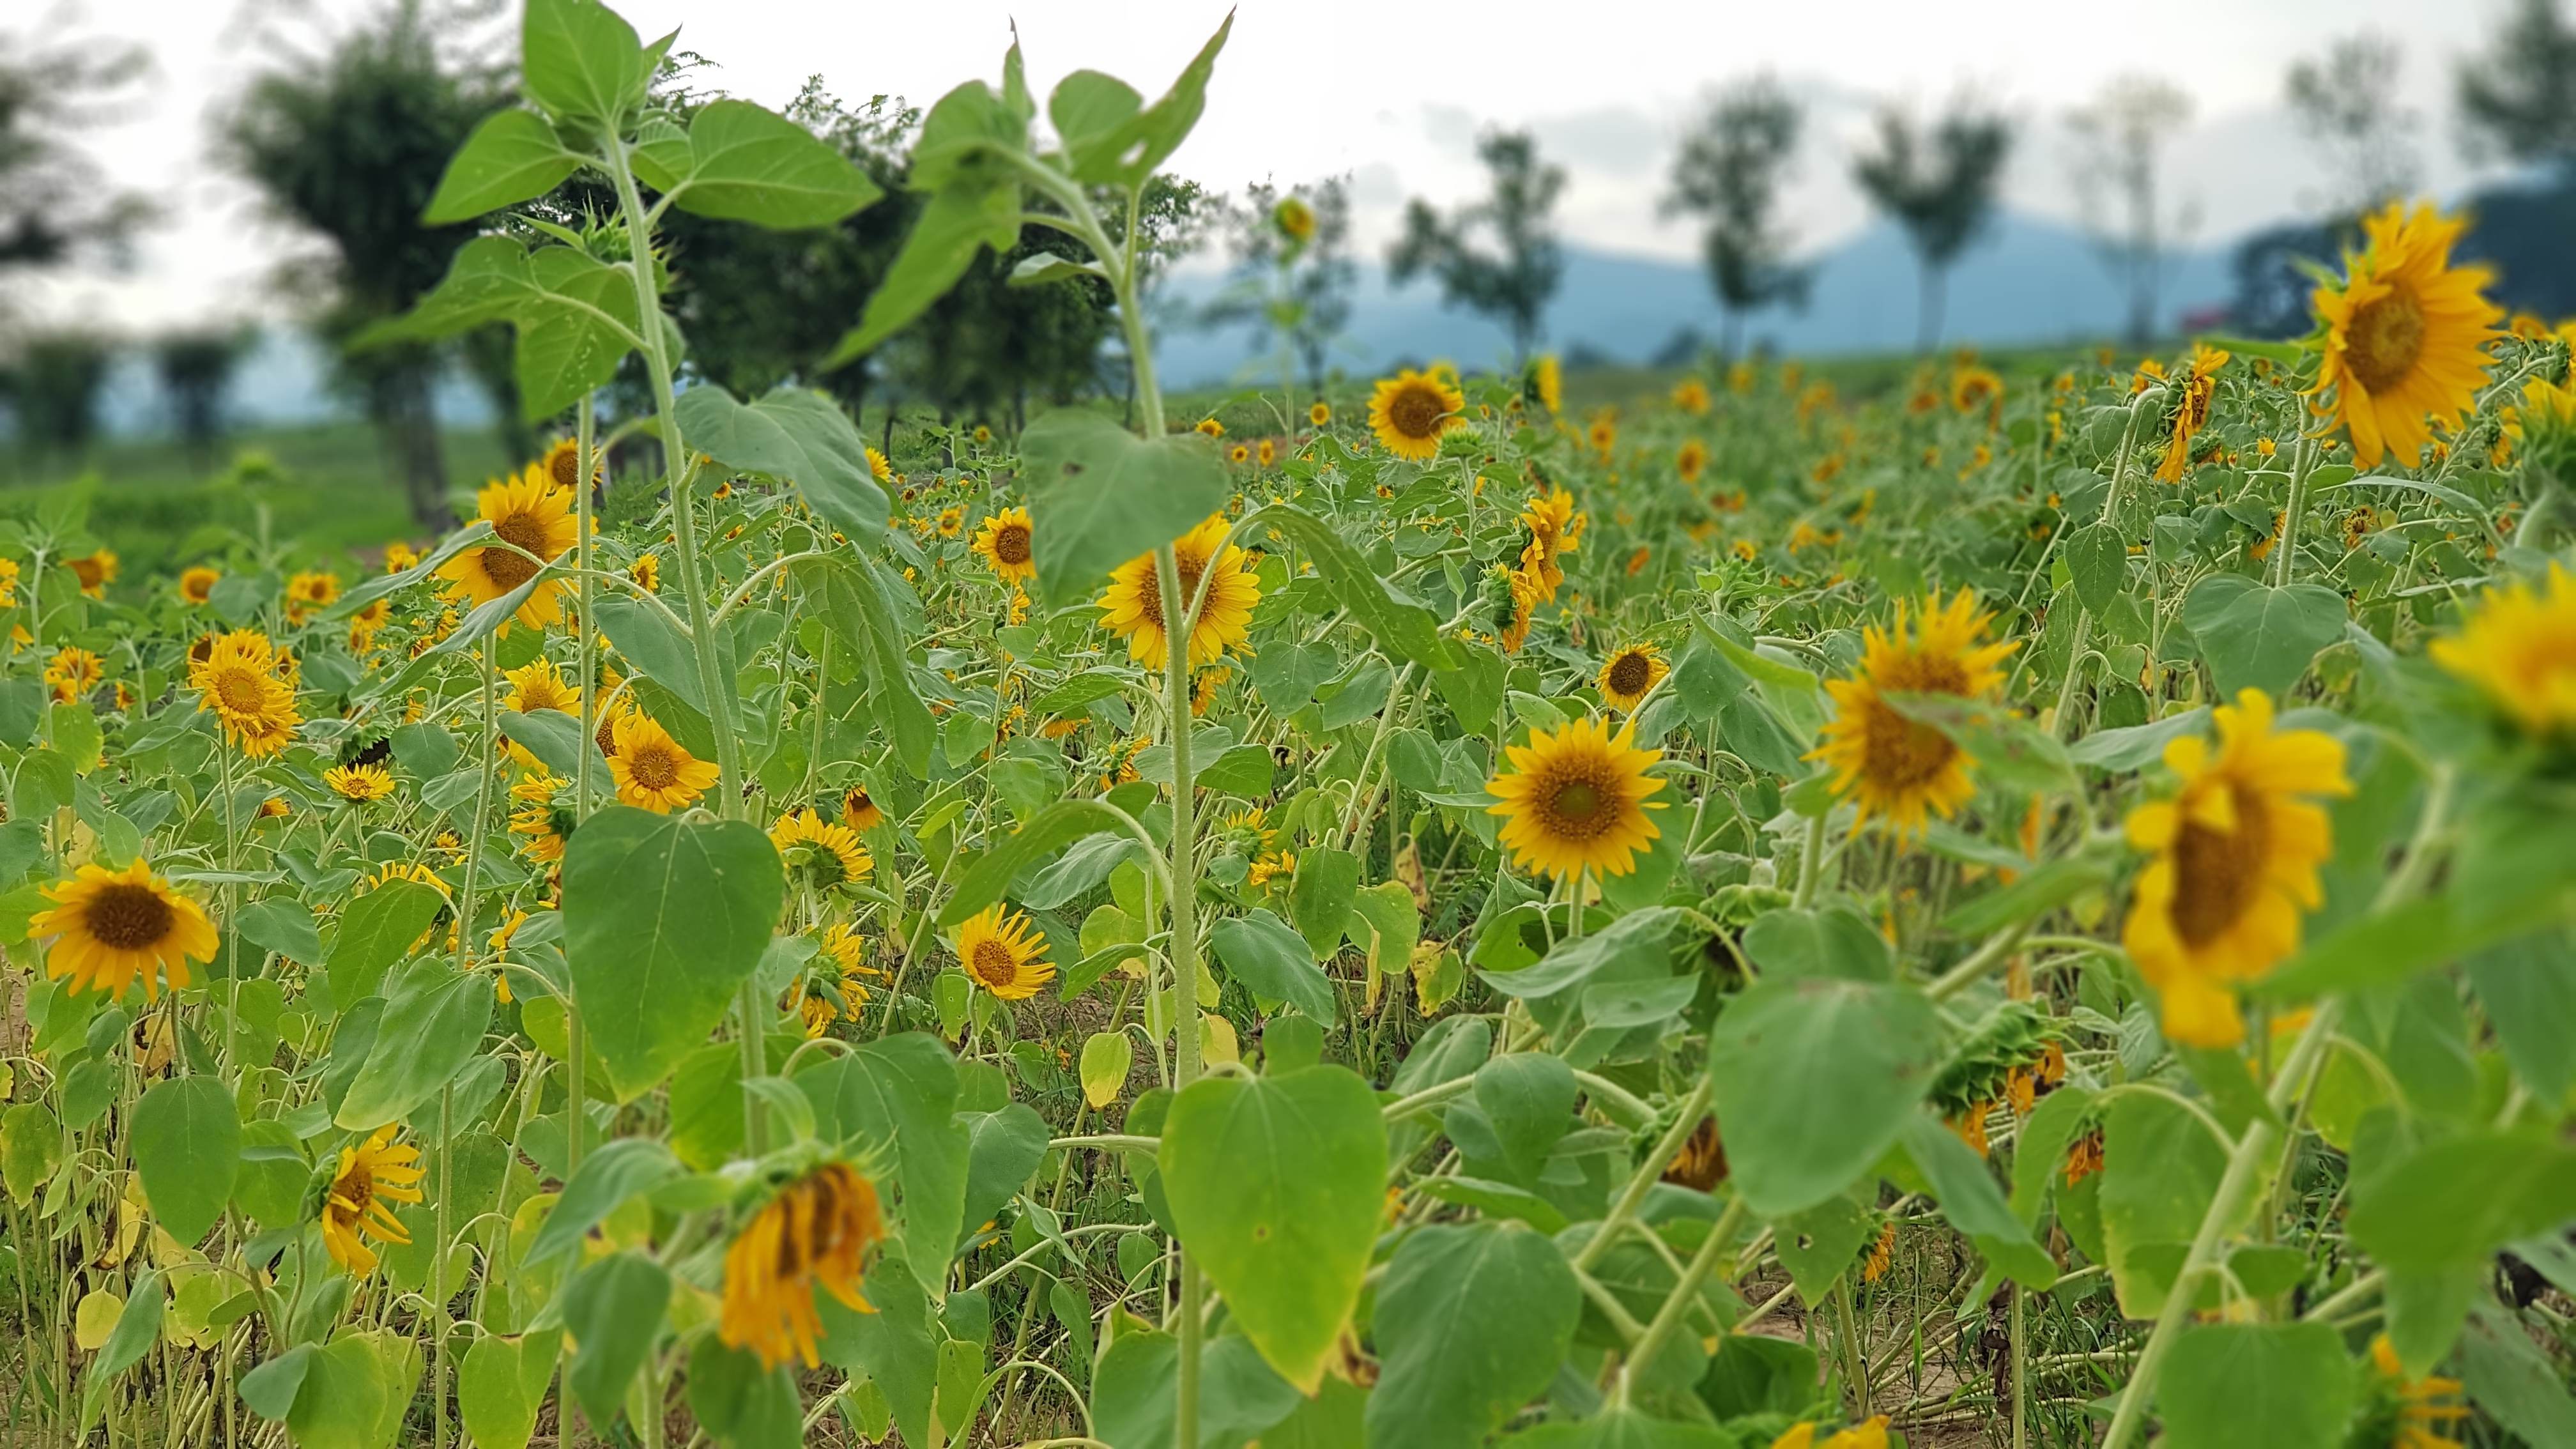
2345 101
52 202
1294 290
2518 101
1939 185
53 385
1729 174
1511 284
350 145
196 369
2114 167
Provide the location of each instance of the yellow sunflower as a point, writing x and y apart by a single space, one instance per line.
197 585
647 573
111 926
1630 673
653 770
1132 605
858 810
2519 646
538 684
823 852
2236 854
879 468
1004 543
239 679
814 1234
1976 389
366 620
399 556
306 592
1576 799
1003 954
1691 395
1888 764
950 520
1524 599
2425 1410
72 672
528 511
1691 460
2192 414
95 571
539 818
1410 411
1555 531
1320 413
2406 334
562 464
1871 1434
372 1173
359 782
1546 385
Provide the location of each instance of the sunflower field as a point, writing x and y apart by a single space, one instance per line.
2031 910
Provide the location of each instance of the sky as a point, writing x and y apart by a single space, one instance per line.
1392 95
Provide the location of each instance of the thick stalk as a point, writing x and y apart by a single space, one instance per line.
1184 951
1811 859
2302 465
1668 1319
2020 1374
1847 1341
438 1275
586 464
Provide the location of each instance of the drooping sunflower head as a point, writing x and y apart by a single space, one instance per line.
2406 334
1893 766
1555 530
538 684
2235 855
1629 673
527 512
1294 218
2194 389
95 571
1003 954
1575 799
1222 582
1410 411
372 1174
2518 646
1691 460
654 771
814 1234
359 782
2408 1413
817 851
539 816
197 585
110 927
858 810
1004 543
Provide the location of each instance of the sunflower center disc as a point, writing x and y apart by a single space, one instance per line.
129 917
994 964
1577 800
508 569
1628 673
1011 544
359 1187
1415 412
2218 872
2384 339
654 769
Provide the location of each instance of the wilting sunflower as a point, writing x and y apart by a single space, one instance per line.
818 850
858 810
359 782
1004 543
372 1173
2519 646
1630 673
539 818
652 770
1003 954
197 585
1521 593
72 672
1555 531
530 512
813 1234
1410 411
110 927
2192 413
95 571
1701 1163
239 679
1204 685
1897 767
306 592
1132 605
538 684
1576 799
2406 334
2236 854
1691 460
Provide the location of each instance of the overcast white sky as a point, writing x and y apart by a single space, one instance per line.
1393 94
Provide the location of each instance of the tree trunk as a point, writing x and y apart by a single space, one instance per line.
405 414
489 353
1730 336
1927 338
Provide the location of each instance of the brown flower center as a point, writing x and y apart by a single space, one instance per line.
358 1185
1901 753
1416 411
1630 673
129 917
2218 872
653 767
507 569
1577 801
567 468
88 572
993 963
1011 543
240 691
2383 340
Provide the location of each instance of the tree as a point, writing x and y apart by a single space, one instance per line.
196 368
1729 174
2344 101
1294 290
1939 185
2519 99
1512 283
2114 167
53 386
349 145
53 205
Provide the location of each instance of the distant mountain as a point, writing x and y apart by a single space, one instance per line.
2029 280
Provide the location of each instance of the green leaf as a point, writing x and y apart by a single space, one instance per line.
2256 1386
851 600
2508 1376
2259 637
796 436
354 1392
1003 1149
664 917
2391 944
1635 945
432 1023
376 930
187 1144
959 221
1973 1204
1404 628
895 1100
1835 943
2160 1168
1528 1097
2123 750
1117 144
2042 890
1470 1323
1055 827
1626 1428
511 157
740 1403
894 1345
1276 1184
282 924
1815 1080
31 1145
2039 1148
2529 988
658 648
612 1309
1239 1397
1497 1200
1099 496
271 1388
501 1383
1821 1244
616 1172
137 1327
2099 562
580 61
2452 1203
2008 753
754 165
1320 894
1273 961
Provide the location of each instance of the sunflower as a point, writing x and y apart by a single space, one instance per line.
1555 531
1280 865
1691 395
197 585
1603 434
1522 593
1204 685
1209 427
9 586
1239 453
359 782
1002 955
238 677
1691 460
812 1235
1882 1250
858 810
306 592
371 1174
2413 1413
652 769
530 512
1132 605
1320 413
399 556
2192 414
878 467
1700 1164
272 808
366 620
539 685
1630 673
824 853
95 571
1976 389
562 464
2236 854
1004 543
1802 1435
1576 799
111 926
539 818
72 672
1294 218
2405 335
646 571
1898 767
1545 384
1410 411
1266 452
950 520
2519 645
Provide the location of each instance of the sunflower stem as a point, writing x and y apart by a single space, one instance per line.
438 1276
1668 1320
585 466
2303 465
1811 861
